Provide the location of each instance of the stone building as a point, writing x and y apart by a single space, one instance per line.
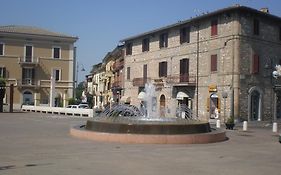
29 56
218 64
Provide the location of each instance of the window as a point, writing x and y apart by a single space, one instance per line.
56 52
2 72
28 75
145 45
255 64
28 53
163 69
280 33
184 70
128 73
1 49
185 35
214 27
145 71
129 48
163 40
256 27
214 63
57 74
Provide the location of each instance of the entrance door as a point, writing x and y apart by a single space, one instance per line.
27 98
255 105
162 105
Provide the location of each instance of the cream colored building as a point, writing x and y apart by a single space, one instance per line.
29 56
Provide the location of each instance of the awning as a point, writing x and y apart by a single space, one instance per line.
141 95
125 99
181 95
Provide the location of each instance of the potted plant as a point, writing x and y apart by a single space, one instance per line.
230 123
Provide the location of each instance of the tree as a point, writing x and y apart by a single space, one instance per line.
79 90
2 92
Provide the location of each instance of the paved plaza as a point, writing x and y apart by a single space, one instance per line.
40 144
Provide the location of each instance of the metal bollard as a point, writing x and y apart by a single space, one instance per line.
245 126
218 124
274 127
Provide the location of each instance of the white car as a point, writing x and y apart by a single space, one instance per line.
84 106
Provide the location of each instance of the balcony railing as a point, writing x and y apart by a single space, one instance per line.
182 79
118 65
140 81
27 82
28 61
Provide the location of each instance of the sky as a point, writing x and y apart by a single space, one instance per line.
101 24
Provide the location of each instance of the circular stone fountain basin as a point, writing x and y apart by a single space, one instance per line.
167 126
148 131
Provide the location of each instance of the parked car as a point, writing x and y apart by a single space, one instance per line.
82 105
72 106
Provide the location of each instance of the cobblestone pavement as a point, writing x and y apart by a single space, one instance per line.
40 144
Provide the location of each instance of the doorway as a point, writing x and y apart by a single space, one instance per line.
162 105
27 98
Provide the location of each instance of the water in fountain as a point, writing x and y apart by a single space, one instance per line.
150 101
184 112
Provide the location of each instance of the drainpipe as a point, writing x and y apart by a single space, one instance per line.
197 72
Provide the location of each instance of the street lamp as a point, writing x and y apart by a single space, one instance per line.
224 96
77 71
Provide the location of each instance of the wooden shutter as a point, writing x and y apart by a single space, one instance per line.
182 35
256 63
213 63
128 73
280 33
160 69
164 73
256 27
1 49
214 27
23 74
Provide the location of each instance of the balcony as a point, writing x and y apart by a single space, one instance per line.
181 80
118 65
60 84
27 82
140 81
28 61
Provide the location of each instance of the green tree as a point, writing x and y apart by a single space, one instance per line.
79 90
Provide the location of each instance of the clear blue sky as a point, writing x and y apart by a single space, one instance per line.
101 24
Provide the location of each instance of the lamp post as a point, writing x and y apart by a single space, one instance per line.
76 78
275 74
224 96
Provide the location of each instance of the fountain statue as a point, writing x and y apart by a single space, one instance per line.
129 124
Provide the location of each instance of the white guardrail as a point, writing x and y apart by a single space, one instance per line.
61 111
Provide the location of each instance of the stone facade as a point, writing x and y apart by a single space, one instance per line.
249 95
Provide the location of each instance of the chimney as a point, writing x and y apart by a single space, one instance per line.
264 10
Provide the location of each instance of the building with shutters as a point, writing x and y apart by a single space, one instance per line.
29 56
218 64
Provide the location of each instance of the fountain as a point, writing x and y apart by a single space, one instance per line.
128 124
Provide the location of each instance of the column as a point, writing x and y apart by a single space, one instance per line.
37 97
